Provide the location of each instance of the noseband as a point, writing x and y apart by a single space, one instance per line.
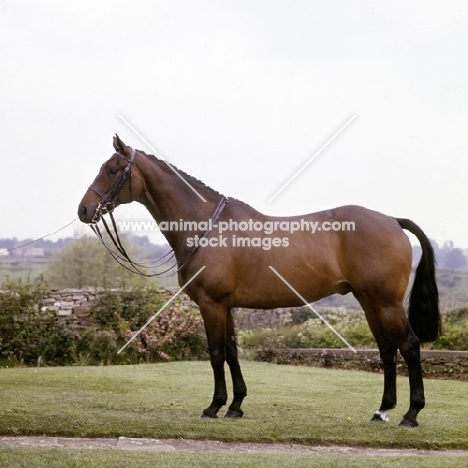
106 205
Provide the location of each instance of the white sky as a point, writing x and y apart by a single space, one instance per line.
239 94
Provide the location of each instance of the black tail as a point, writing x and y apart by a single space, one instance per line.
424 314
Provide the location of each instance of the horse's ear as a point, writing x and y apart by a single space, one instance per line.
120 146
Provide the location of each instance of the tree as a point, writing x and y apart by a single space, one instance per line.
454 259
85 262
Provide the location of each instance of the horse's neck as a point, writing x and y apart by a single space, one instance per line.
168 199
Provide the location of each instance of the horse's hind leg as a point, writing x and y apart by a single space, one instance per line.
388 351
240 389
394 327
391 330
410 350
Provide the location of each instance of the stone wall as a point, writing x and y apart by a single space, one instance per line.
435 364
76 305
256 319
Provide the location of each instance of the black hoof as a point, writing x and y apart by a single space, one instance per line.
234 414
408 423
208 414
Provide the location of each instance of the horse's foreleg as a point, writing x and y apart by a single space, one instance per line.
240 389
214 318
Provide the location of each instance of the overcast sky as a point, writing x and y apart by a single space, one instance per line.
239 94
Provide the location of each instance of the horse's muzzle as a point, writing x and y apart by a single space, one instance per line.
85 214
94 215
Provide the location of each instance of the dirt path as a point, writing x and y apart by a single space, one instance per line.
211 446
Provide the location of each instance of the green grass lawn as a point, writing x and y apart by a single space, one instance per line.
68 458
285 404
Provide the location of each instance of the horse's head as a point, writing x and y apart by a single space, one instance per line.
113 186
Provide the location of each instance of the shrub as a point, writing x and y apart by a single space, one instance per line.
313 333
177 333
28 335
454 331
95 347
268 339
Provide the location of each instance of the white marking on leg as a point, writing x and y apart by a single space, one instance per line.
382 415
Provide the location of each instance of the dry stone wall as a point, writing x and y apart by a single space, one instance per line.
76 305
436 364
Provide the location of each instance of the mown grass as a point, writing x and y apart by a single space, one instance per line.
74 458
285 404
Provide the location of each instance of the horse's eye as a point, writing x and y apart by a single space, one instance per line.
112 170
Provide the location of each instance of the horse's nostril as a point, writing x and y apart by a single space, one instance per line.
83 213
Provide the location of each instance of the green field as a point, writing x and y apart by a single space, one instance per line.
20 270
34 270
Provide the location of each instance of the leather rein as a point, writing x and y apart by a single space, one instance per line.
107 206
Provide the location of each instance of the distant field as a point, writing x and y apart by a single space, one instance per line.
20 270
453 286
34 270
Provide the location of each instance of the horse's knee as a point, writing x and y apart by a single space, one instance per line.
217 355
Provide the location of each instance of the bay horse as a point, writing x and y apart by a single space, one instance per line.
373 262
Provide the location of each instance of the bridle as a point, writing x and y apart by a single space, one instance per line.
107 206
